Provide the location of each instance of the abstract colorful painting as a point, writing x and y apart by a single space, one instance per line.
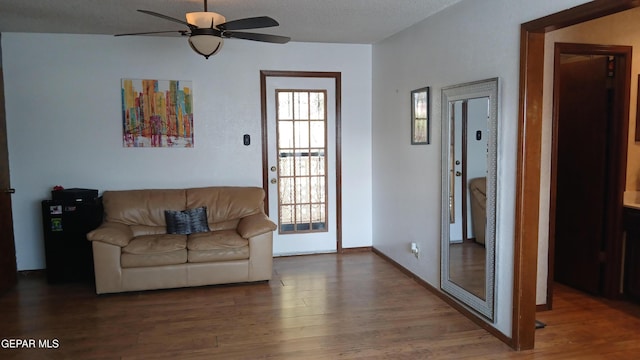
157 113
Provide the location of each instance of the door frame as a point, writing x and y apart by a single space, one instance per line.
8 262
464 215
617 162
337 76
532 36
465 178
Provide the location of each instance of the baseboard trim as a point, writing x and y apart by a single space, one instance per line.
451 302
543 307
38 272
357 250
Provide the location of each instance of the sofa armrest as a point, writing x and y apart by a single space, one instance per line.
254 225
112 233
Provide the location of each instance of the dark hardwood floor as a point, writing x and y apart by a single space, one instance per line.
352 306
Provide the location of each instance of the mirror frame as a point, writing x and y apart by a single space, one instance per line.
477 89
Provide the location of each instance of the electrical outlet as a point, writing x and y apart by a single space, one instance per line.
415 250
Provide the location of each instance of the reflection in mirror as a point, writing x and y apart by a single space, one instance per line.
469 143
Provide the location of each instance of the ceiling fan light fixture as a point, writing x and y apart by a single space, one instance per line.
206 19
206 44
206 30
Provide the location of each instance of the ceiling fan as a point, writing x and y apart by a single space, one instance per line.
207 30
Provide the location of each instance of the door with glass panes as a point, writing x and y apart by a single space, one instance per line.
301 137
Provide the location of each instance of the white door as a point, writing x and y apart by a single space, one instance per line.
301 137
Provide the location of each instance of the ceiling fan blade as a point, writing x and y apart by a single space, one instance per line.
181 32
248 23
257 37
162 16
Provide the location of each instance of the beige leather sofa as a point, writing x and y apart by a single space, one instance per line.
132 250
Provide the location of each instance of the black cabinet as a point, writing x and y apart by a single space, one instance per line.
632 253
68 253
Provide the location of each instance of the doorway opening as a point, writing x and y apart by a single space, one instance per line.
588 171
529 157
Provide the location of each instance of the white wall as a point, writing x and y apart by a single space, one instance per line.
618 29
64 124
469 41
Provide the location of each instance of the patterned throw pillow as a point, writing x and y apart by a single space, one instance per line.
186 222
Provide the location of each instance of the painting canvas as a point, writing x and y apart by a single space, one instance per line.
157 113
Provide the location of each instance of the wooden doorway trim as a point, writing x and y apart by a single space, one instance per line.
8 263
532 36
337 76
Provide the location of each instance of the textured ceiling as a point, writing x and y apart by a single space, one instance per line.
332 21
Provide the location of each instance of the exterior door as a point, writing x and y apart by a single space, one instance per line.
8 269
301 163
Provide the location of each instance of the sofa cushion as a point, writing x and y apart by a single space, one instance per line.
145 260
156 244
141 230
228 254
187 221
213 240
141 207
226 203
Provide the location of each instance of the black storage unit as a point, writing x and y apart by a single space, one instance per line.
66 220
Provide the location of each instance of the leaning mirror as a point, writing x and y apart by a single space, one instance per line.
469 152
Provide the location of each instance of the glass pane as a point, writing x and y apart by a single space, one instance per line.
285 134
302 190
305 214
317 133
285 163
317 189
301 106
285 102
298 215
286 215
302 164
286 191
319 220
317 215
316 106
317 162
301 129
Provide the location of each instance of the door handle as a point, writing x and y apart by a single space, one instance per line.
8 191
458 173
273 181
273 169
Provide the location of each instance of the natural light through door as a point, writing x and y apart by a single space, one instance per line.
301 148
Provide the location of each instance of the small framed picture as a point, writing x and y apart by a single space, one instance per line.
420 116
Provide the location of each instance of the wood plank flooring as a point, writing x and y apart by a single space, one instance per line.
352 306
467 266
